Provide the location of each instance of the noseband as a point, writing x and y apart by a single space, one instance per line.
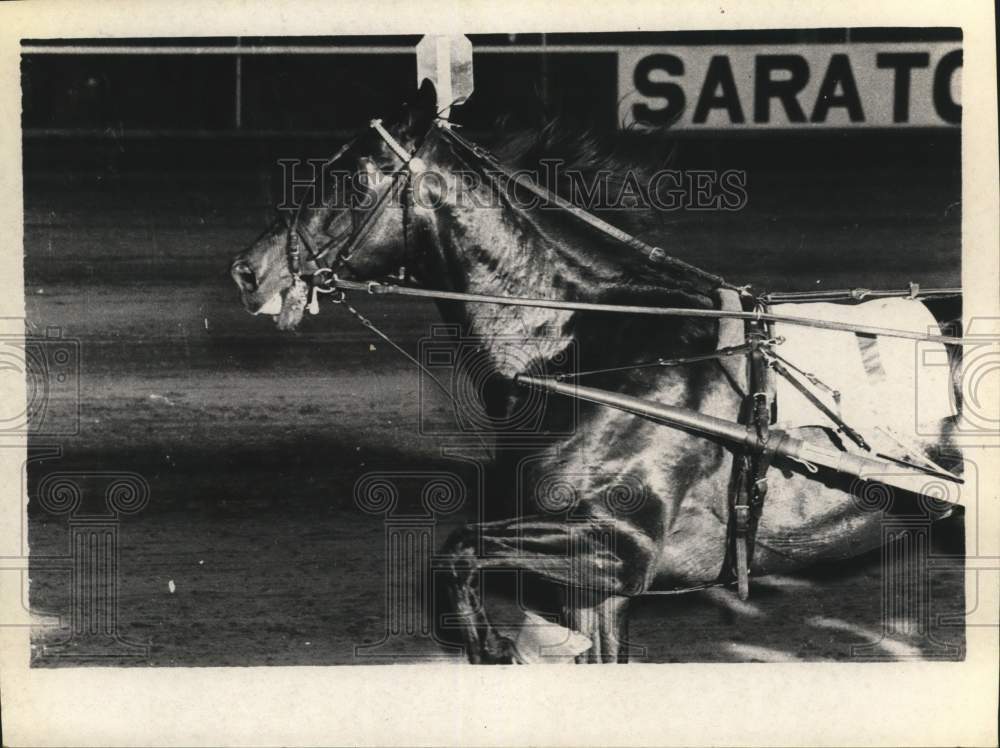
325 274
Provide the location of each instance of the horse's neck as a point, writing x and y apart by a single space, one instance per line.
480 243
493 251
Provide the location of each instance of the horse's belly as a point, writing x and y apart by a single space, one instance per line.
803 522
692 555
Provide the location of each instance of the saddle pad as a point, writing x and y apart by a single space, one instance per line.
886 384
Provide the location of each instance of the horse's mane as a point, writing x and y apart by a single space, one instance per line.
584 150
590 154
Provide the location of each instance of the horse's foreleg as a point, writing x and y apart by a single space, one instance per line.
600 561
605 624
482 642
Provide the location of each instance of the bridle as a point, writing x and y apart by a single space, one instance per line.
329 257
324 279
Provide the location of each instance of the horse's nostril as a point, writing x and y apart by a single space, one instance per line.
244 276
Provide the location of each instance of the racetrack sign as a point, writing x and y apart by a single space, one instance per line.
860 85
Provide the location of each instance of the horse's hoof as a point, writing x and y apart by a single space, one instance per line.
500 651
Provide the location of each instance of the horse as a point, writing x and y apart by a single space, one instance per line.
615 506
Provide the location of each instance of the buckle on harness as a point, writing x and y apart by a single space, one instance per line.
741 518
323 282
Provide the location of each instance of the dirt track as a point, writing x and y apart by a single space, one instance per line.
251 441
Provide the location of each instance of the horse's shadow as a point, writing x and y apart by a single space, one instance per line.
844 611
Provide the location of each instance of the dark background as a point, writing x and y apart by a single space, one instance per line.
141 183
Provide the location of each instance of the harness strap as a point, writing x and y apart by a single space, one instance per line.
851 433
718 354
750 378
763 414
859 294
394 145
655 254
375 287
369 221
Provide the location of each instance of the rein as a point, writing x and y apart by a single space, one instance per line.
325 280
377 288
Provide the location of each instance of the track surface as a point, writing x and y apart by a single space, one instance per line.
251 441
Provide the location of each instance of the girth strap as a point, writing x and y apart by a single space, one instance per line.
751 378
749 501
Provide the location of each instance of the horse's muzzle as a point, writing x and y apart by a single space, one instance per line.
244 276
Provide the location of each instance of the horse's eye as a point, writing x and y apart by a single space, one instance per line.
368 168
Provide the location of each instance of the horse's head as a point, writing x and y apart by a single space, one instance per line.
352 223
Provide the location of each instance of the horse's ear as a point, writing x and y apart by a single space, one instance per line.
420 113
